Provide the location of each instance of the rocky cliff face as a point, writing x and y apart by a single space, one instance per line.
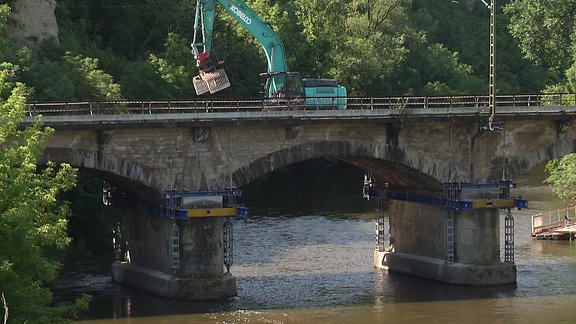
33 21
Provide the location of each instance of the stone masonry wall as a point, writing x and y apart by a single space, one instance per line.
205 158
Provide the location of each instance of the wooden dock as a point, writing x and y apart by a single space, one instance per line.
555 225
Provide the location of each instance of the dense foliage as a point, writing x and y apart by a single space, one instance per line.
563 176
32 217
546 31
140 49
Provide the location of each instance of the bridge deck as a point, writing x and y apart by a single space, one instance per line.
193 113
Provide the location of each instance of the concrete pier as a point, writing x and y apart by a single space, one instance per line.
196 272
453 273
171 286
418 236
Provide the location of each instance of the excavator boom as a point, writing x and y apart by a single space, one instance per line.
280 86
212 79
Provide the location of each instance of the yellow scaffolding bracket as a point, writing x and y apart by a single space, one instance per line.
212 212
494 203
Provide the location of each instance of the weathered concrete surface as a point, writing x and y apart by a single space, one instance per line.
149 235
477 237
200 275
452 273
418 237
417 228
202 247
212 158
170 286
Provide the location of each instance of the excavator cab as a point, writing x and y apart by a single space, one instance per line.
283 88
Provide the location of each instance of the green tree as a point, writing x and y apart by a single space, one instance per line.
359 43
66 78
546 33
563 176
373 47
91 82
175 66
32 218
546 30
463 29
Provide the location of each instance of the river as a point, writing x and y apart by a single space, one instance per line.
317 267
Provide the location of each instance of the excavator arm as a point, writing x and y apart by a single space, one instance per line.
210 78
213 79
280 87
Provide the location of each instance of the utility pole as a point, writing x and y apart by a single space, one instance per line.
491 90
491 81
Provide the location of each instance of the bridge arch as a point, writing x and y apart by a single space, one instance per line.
385 163
523 146
129 176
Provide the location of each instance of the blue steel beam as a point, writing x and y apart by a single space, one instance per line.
503 201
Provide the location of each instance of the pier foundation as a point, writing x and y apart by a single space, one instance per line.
181 259
464 251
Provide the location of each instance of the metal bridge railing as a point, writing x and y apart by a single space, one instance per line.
227 106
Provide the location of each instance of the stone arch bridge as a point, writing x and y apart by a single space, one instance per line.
146 148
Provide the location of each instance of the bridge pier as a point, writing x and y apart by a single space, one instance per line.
175 258
464 251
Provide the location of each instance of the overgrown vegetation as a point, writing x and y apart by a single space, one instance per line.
33 218
141 49
563 177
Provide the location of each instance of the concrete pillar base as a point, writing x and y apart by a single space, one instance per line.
170 286
452 273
